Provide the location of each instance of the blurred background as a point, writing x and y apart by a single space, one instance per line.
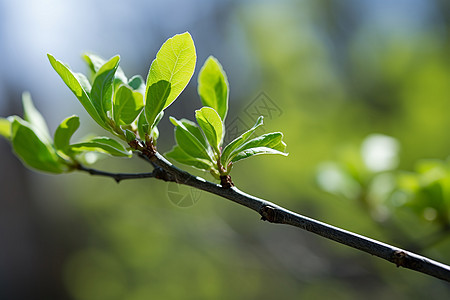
361 90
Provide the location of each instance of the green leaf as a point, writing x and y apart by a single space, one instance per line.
213 86
269 143
33 151
101 92
129 135
34 117
103 145
95 62
111 142
85 84
180 156
127 105
137 83
174 63
64 132
189 142
212 126
237 142
271 140
143 127
193 129
158 119
256 151
75 86
5 128
157 95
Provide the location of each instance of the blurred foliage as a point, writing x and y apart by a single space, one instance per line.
370 179
333 88
338 76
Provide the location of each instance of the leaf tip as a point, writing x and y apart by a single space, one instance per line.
51 59
26 98
116 59
186 33
174 121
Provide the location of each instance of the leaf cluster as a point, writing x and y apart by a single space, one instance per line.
32 143
131 108
201 146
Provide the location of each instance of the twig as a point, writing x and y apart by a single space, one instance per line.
116 176
277 214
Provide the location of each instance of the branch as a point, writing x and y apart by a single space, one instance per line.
116 176
276 214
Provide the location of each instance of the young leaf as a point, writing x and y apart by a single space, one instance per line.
129 135
137 83
212 126
95 62
237 142
5 128
270 143
154 132
33 151
194 130
34 117
158 119
188 142
143 127
256 151
175 63
64 132
102 145
156 98
101 92
75 86
85 84
111 142
213 86
182 157
127 105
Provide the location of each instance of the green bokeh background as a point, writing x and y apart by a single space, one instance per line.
337 72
